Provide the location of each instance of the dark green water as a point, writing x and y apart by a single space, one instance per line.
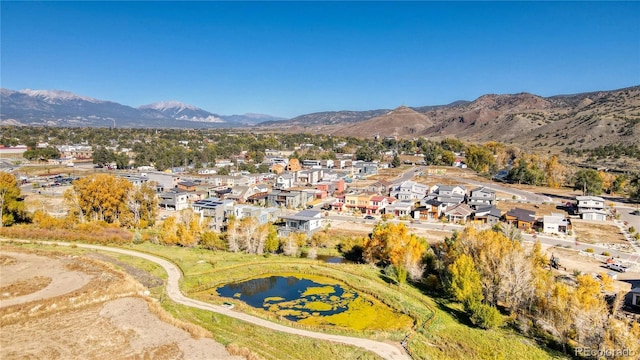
287 293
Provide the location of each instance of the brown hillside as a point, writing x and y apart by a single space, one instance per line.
402 122
584 120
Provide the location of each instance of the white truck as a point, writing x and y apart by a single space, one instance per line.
617 267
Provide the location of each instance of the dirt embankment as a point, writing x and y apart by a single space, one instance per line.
63 307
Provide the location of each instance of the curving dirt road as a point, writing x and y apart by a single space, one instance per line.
385 350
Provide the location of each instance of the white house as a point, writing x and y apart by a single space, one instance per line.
409 190
591 208
284 181
306 221
449 195
400 208
174 200
481 196
555 223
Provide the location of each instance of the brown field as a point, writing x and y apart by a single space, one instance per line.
598 232
92 312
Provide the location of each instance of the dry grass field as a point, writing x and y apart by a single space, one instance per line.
598 232
85 309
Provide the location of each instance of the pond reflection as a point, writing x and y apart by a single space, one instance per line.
291 297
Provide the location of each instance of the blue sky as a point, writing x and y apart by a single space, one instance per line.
292 58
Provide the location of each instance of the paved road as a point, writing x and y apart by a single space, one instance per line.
385 350
520 194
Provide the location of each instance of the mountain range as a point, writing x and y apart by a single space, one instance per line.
583 120
63 108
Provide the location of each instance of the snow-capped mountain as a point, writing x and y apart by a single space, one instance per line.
57 96
64 108
183 112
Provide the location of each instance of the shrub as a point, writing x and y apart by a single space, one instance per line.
432 282
589 250
632 230
606 253
137 238
577 272
485 316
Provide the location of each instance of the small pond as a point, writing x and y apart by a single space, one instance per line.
330 259
314 300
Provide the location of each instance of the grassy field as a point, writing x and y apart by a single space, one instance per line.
441 329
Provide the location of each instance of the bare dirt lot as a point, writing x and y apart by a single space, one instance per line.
88 310
598 232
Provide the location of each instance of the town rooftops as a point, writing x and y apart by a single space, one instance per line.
188 183
304 215
483 189
488 210
589 198
522 214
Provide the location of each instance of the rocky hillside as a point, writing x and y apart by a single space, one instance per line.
584 120
402 122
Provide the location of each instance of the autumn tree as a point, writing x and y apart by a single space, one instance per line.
11 206
465 281
212 240
392 243
272 243
100 197
589 181
143 204
480 158
554 172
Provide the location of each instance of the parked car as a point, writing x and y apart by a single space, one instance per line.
617 267
369 217
309 206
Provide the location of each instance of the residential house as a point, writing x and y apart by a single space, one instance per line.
311 163
284 181
187 185
409 191
400 208
487 214
329 164
213 211
448 194
522 218
591 208
458 213
555 223
135 180
327 187
378 204
288 198
306 221
165 180
360 202
381 187
174 199
480 197
369 168
430 209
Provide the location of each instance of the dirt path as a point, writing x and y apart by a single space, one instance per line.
385 350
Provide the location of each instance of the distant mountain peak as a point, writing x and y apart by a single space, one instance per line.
171 104
57 95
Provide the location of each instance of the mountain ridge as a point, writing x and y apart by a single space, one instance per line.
64 108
